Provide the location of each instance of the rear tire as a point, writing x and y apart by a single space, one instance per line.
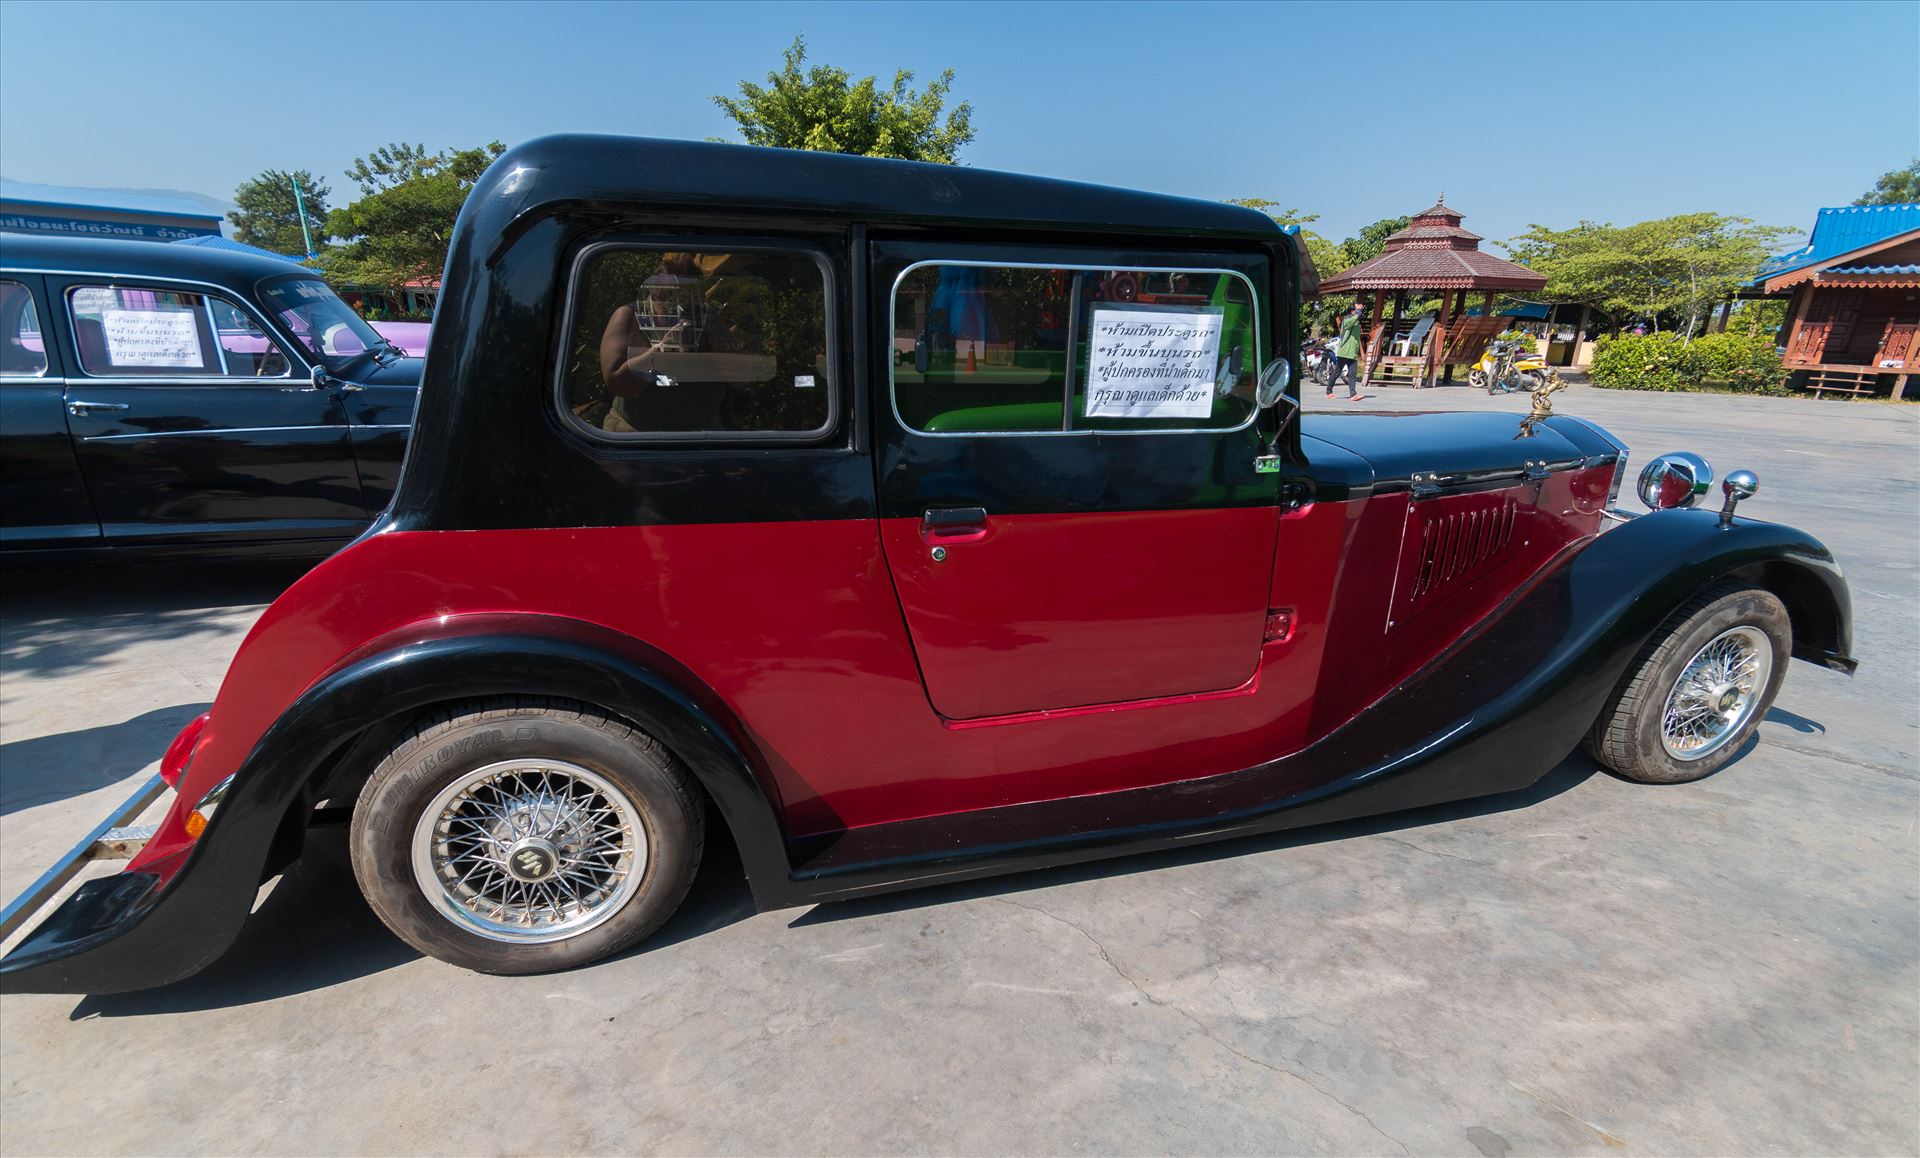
1698 688
526 834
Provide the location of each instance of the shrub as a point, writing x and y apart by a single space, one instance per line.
1746 363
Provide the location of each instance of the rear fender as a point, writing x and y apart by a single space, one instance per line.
147 928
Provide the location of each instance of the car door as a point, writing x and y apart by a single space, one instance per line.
1070 505
193 424
43 499
380 401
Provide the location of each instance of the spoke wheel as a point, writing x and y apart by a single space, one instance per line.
1689 701
1716 694
523 834
527 851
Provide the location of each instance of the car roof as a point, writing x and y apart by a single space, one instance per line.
720 178
35 253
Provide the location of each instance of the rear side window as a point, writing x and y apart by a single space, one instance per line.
145 333
714 343
1016 349
23 349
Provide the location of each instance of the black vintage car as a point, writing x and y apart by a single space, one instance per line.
163 397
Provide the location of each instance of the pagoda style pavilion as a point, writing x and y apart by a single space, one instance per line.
1434 253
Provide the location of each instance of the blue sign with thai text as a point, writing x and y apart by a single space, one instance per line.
76 227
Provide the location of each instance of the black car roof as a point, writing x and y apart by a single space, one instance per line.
30 253
721 178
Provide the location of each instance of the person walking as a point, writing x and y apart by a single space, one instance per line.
1347 352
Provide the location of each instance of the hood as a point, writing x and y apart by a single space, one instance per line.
399 372
1454 445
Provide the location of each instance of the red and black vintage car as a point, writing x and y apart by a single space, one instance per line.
910 523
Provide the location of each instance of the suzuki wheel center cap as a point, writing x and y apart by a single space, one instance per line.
532 860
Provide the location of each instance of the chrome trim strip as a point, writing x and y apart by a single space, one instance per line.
893 390
214 431
40 892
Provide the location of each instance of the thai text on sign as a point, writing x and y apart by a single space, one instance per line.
1148 362
152 338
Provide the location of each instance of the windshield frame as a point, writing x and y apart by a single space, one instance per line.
265 294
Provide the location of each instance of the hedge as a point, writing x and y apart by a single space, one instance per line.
1745 363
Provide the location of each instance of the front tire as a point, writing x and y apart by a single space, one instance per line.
1698 688
1478 380
523 834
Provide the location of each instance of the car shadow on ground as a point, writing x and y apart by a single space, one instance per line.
60 621
1566 776
314 930
44 769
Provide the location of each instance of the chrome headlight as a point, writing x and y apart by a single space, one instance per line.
1679 479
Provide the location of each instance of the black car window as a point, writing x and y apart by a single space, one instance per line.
982 348
127 331
23 350
714 343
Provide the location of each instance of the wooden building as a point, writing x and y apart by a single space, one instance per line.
1433 253
1853 314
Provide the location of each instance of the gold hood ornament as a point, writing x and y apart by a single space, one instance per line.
1542 403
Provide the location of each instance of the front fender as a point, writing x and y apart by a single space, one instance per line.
1667 557
145 928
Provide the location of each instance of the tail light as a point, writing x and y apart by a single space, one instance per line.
180 752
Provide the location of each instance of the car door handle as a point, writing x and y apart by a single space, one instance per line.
82 409
954 524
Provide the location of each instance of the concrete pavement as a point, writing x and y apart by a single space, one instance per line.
1589 967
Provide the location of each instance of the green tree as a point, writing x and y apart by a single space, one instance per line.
267 214
825 109
1673 270
1372 241
1896 188
399 229
1328 259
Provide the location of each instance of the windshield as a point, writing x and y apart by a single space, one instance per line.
326 326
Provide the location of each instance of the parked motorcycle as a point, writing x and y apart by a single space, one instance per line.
1509 368
1317 354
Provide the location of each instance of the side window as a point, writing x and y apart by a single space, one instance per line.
169 333
680 343
23 348
1014 349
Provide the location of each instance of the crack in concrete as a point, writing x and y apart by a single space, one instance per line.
1837 758
1203 1028
1433 852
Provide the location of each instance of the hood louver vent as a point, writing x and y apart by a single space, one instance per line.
1455 544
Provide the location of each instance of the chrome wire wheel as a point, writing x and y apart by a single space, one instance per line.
1717 693
529 851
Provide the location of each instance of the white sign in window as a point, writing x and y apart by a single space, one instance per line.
1153 362
168 338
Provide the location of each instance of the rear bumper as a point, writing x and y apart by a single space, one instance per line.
131 931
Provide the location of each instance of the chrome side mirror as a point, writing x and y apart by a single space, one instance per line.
1273 383
321 379
1674 480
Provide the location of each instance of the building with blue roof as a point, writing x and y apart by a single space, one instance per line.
1853 319
65 211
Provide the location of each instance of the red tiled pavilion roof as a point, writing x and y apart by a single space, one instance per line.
1434 253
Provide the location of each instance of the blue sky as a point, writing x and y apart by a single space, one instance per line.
1524 112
